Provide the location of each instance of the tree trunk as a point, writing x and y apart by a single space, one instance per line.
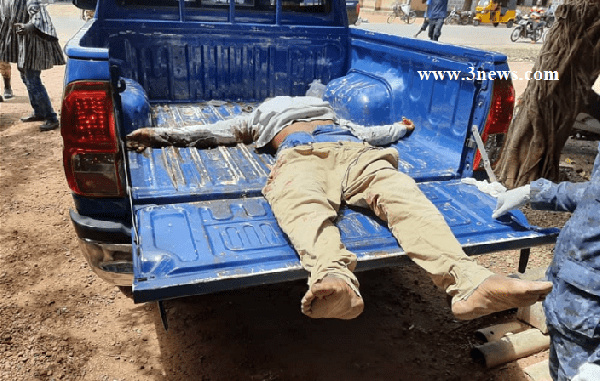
467 5
548 108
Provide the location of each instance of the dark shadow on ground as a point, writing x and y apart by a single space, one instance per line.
406 333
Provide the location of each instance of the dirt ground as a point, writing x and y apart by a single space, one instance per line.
59 321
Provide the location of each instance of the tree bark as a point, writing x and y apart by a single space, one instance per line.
548 108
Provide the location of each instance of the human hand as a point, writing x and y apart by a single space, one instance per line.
512 199
142 138
22 29
408 123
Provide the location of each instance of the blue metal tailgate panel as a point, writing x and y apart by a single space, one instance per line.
213 245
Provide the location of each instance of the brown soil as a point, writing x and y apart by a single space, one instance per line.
59 321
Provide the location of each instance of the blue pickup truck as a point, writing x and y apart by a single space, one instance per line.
177 221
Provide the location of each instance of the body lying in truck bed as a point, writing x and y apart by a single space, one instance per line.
230 217
323 163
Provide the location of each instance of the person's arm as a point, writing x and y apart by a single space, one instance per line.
542 194
39 22
380 135
229 131
564 197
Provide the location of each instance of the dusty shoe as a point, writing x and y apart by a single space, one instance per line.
8 93
498 293
32 118
332 298
49 125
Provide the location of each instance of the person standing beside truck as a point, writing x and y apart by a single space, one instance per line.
30 40
8 46
323 162
437 10
573 307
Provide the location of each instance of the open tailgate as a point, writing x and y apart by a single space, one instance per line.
213 231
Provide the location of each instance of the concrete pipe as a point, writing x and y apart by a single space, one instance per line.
510 348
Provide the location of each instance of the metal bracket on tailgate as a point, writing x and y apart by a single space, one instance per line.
484 156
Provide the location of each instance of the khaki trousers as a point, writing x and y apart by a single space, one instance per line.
308 184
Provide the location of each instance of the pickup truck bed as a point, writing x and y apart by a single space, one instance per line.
213 230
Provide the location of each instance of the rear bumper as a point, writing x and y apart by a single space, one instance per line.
106 245
112 262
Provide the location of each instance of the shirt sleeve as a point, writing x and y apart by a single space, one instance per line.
564 197
40 18
229 131
378 135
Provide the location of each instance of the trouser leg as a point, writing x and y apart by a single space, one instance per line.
573 317
5 71
374 182
437 29
568 351
431 27
304 191
38 96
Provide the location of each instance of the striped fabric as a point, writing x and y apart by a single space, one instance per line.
39 50
11 12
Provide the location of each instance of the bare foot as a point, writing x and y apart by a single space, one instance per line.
498 293
332 298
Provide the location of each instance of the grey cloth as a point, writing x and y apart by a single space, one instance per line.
265 122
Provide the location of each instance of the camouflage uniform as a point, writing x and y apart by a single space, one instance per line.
573 307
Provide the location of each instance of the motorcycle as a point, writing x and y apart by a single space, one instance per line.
530 28
403 12
466 17
452 18
459 17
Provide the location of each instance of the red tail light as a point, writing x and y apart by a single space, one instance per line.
358 8
498 121
92 161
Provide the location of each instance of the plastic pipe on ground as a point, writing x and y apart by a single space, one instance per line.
497 331
511 347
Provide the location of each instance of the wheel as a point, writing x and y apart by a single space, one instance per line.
509 24
464 20
412 16
391 18
126 291
475 22
495 24
516 33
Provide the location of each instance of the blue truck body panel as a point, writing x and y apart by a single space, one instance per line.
197 220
